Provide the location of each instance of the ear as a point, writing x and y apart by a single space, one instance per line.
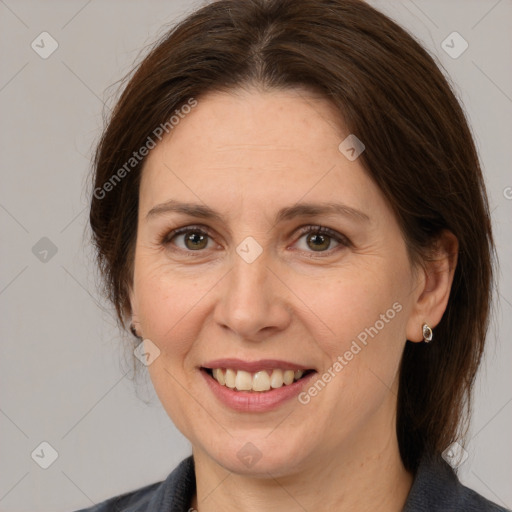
133 310
433 285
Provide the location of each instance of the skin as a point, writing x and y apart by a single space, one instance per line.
246 154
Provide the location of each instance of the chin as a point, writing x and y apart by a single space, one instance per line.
258 457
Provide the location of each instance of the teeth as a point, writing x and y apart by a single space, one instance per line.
288 376
260 381
276 379
219 376
243 381
230 378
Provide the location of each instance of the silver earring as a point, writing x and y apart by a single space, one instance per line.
427 333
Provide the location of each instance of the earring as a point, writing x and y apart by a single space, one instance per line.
427 333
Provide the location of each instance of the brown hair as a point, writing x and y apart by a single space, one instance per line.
419 151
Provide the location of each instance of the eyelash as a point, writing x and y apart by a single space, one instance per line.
304 230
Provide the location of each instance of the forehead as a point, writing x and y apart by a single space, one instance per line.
259 148
245 120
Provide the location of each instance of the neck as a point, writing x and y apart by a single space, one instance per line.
348 480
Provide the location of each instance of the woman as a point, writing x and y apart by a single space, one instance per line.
290 215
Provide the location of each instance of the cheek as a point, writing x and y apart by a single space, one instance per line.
362 319
168 308
166 304
353 300
363 355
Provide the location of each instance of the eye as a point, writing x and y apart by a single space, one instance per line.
192 238
317 239
320 239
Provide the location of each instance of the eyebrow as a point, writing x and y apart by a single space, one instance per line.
286 213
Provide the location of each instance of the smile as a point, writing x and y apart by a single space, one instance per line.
259 381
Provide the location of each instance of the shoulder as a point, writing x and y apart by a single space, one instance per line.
436 487
173 494
133 501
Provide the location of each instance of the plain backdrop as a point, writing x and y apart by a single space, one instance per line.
64 373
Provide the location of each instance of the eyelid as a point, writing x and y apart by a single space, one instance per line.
165 240
323 230
167 236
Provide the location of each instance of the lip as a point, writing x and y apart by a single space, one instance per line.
255 401
254 366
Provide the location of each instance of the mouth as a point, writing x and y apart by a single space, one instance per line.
259 381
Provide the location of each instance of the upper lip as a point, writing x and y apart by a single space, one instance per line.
254 366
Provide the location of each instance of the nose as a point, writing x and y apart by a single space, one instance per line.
253 301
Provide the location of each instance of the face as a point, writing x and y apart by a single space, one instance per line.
249 277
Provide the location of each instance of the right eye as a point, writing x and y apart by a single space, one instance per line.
189 238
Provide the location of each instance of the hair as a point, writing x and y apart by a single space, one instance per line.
419 151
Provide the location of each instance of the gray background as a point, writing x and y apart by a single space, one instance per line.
65 372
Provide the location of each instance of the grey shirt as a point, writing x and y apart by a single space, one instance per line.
435 488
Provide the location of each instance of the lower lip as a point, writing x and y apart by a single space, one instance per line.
256 401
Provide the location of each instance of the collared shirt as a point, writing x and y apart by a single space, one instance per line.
436 488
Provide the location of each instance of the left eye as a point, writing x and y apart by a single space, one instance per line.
320 239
